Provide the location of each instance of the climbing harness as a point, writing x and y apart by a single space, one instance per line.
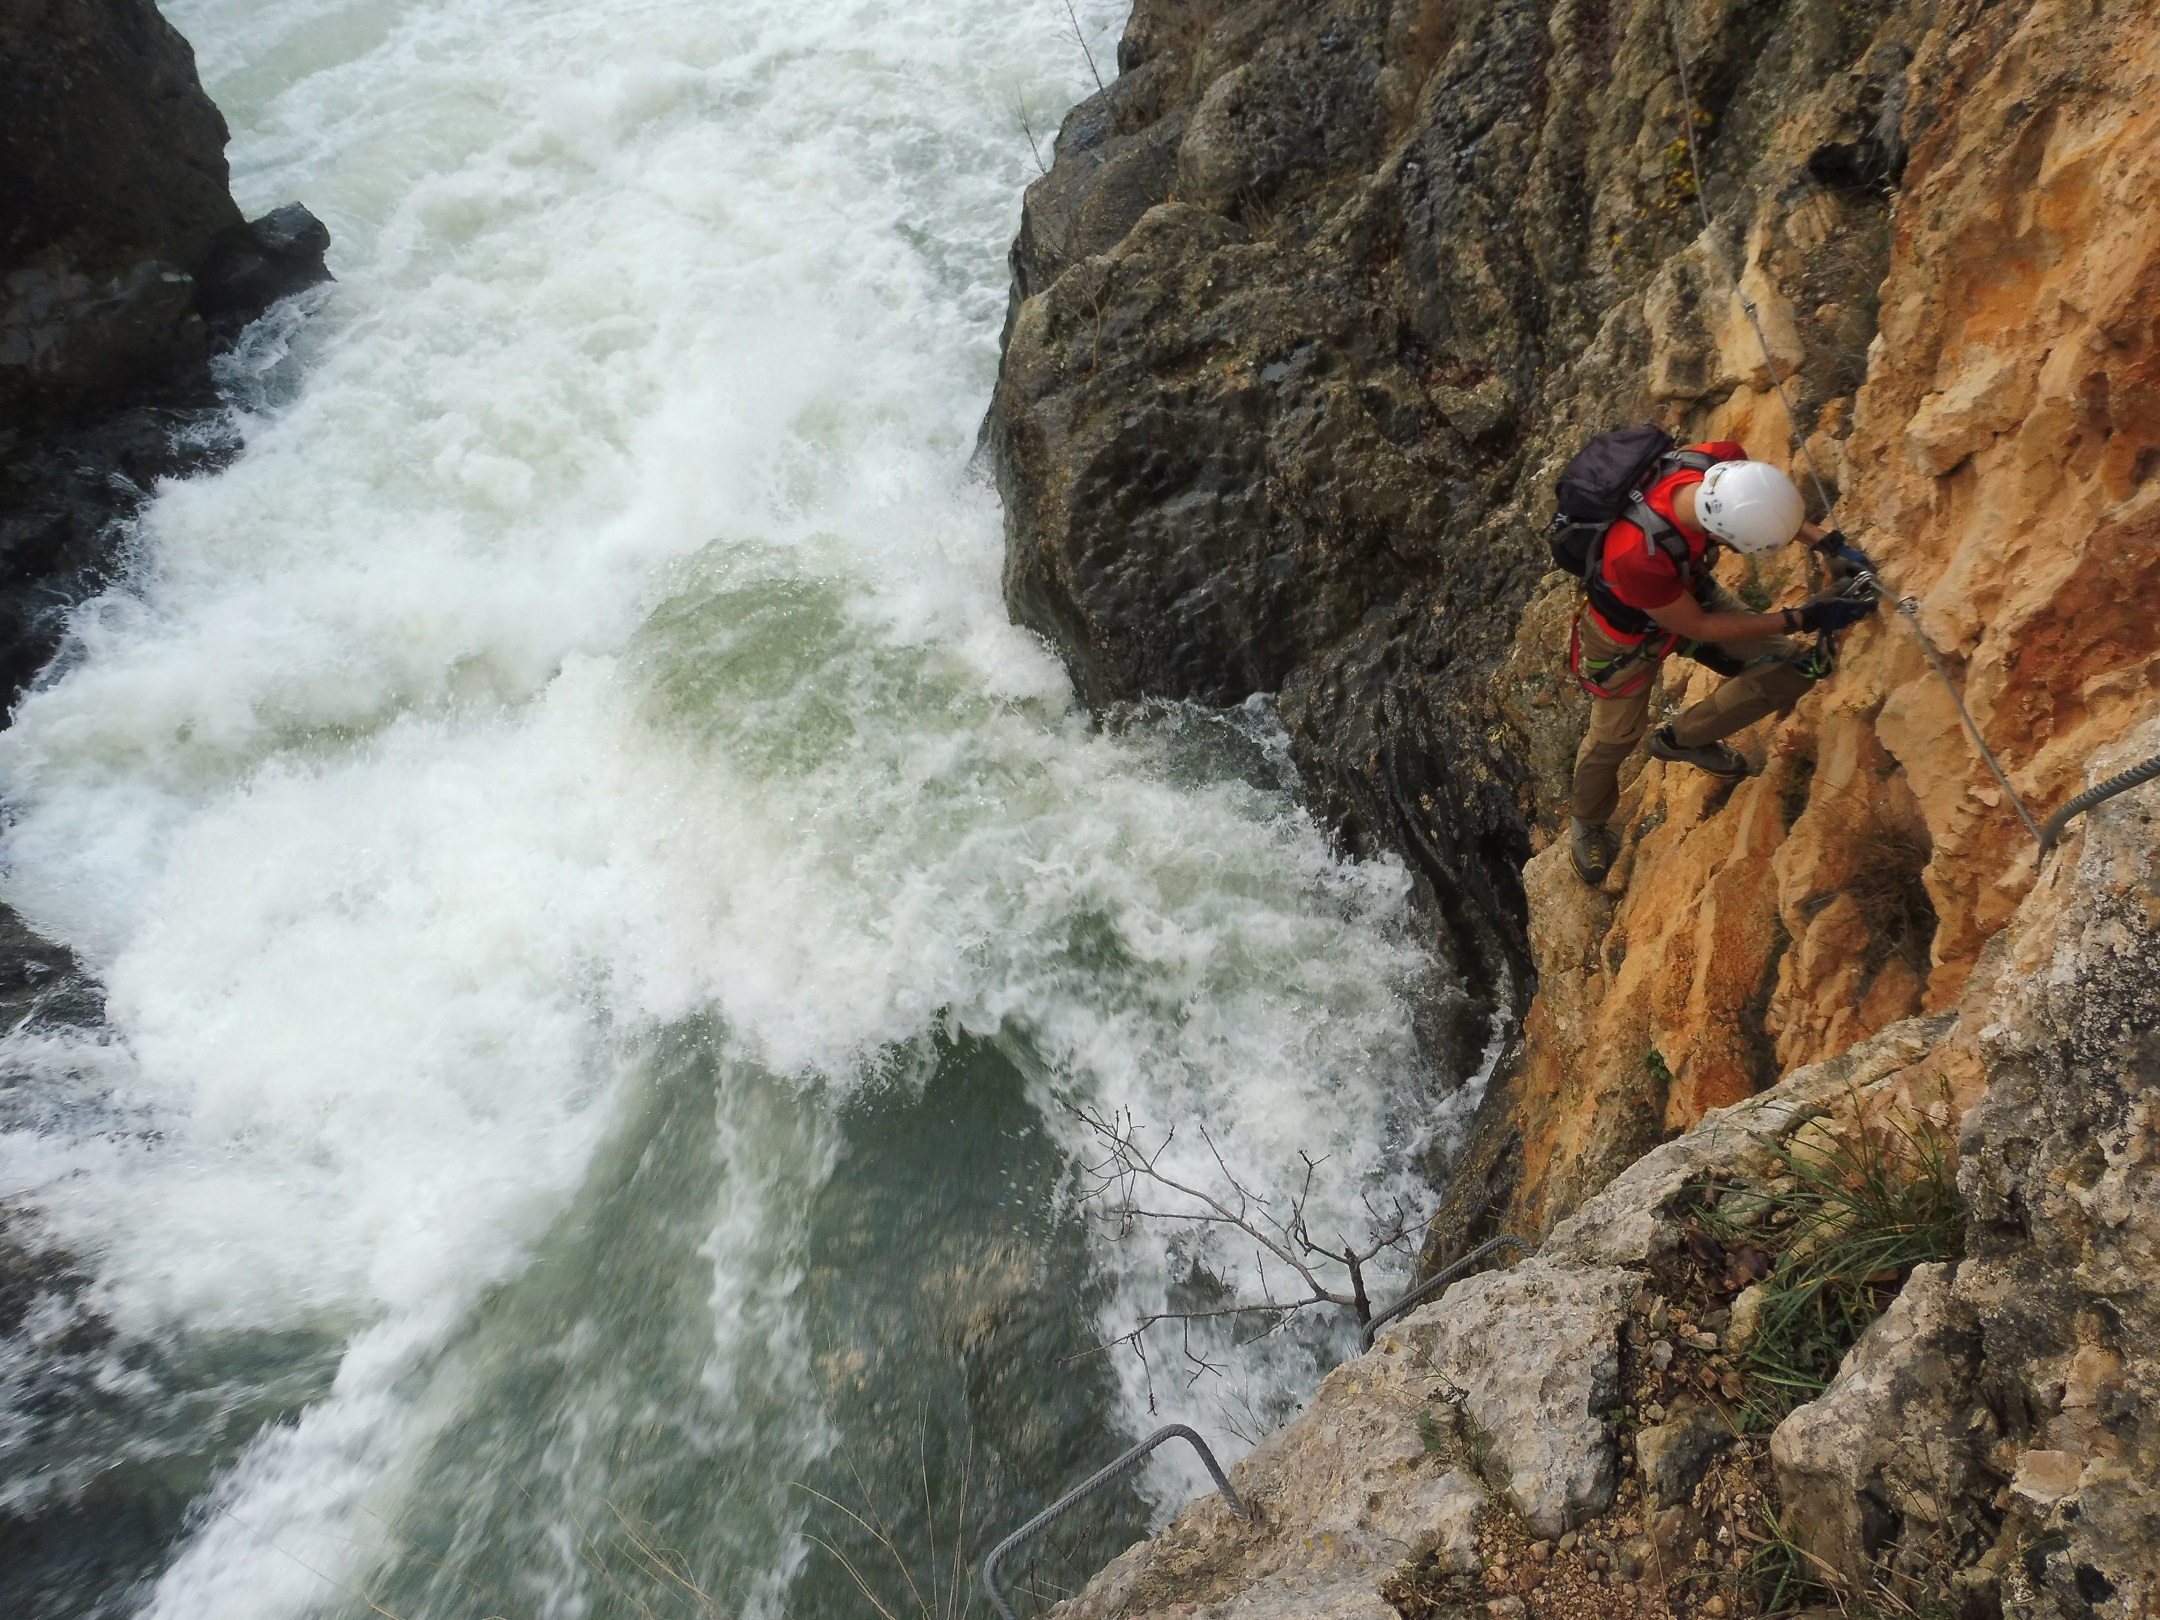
1823 656
1087 1488
1617 676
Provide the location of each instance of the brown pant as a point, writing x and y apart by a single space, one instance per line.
1617 724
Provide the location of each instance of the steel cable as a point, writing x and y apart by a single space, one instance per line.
1908 606
2121 782
1441 1279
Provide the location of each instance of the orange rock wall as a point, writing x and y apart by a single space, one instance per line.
1999 463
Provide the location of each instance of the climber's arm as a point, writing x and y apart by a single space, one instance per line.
1684 616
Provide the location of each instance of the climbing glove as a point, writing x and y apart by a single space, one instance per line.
1847 563
1831 612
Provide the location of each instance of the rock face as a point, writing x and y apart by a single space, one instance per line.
1317 299
112 190
1377 1472
1889 1441
2063 1270
1497 1396
1307 315
124 263
2008 392
1311 309
1539 1400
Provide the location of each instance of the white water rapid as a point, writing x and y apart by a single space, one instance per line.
599 910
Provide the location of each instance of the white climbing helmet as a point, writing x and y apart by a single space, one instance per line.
1749 505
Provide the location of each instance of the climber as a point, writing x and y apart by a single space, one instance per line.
1651 594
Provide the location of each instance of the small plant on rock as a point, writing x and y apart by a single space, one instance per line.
1847 1218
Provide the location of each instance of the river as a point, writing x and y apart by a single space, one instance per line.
604 926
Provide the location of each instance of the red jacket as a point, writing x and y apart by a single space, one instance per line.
1635 569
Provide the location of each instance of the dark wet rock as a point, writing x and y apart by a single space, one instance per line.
252 266
42 984
112 193
1672 1455
124 265
66 501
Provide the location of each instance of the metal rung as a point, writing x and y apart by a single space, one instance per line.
1088 1487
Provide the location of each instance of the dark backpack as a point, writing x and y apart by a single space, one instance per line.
1603 484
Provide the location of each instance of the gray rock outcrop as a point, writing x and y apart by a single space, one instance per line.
1891 1442
2062 1275
1508 1378
124 263
1535 1354
1378 1471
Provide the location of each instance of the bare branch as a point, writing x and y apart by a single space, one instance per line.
1027 128
1136 1163
1133 1165
1073 17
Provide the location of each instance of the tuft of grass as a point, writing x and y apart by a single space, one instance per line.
928 1592
1850 1219
1783 1574
1428 1428
1753 591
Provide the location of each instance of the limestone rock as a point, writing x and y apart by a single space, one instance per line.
2062 1274
1747 1313
1885 1455
1673 1454
1535 1353
1628 1223
1375 1473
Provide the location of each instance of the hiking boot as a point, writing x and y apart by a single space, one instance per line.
1715 757
1593 847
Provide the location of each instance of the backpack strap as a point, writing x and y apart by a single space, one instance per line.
1663 533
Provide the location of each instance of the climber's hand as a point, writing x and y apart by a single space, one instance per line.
1832 612
1848 562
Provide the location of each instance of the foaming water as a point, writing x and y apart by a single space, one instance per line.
603 920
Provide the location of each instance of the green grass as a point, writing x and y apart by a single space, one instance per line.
1847 1224
1780 1571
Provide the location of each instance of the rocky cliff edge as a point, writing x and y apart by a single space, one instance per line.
1581 1435
1308 313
